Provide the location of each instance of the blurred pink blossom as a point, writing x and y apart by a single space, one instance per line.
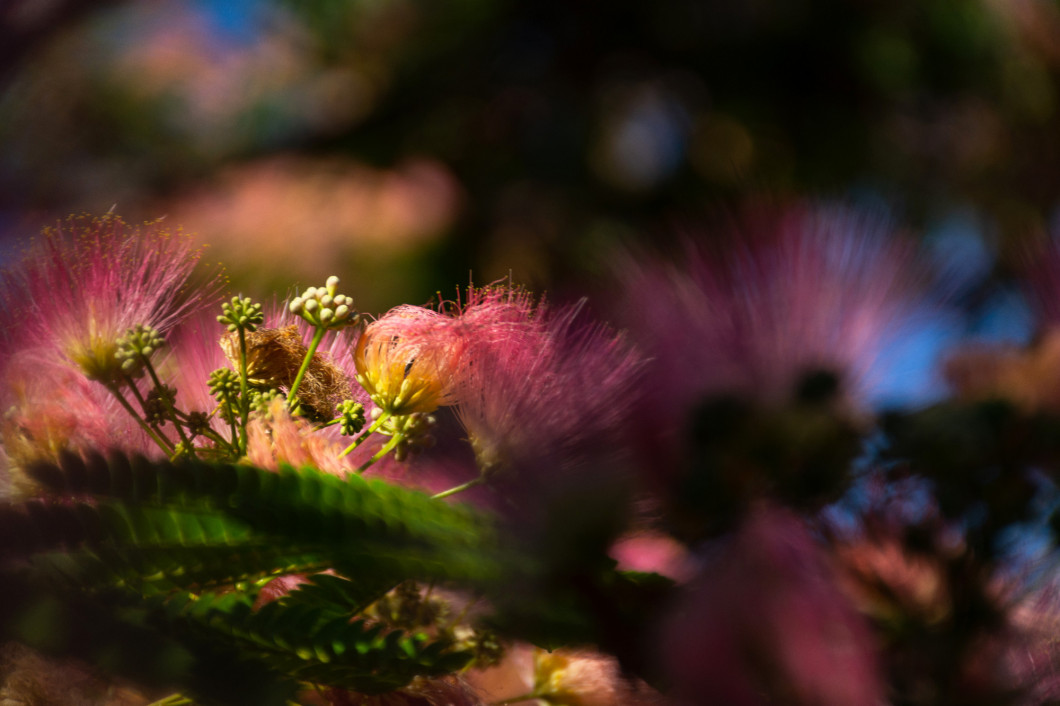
572 677
655 552
310 214
789 291
765 623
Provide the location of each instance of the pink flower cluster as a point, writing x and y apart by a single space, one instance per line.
541 394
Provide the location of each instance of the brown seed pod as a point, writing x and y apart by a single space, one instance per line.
273 358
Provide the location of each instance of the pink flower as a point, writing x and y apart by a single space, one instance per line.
406 359
790 291
50 407
76 290
650 551
88 280
1033 655
563 676
765 623
540 386
278 439
1043 269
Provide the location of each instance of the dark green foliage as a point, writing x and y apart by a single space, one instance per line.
984 459
318 644
800 453
171 555
118 633
363 526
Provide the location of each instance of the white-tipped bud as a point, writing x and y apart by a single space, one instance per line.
310 293
312 305
377 413
296 305
326 300
326 314
331 284
342 312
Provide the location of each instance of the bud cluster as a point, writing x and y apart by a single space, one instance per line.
324 307
136 346
351 417
261 401
241 313
223 384
158 403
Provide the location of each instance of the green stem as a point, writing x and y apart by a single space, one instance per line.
170 407
318 336
367 432
387 448
244 393
217 438
460 488
232 424
143 408
173 700
162 442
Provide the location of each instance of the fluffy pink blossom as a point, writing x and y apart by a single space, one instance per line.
277 438
651 551
1043 270
78 288
540 385
1033 654
82 284
406 359
580 677
765 623
789 291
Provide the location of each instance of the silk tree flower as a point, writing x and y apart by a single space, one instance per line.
405 360
277 439
574 677
88 280
1032 652
765 623
1042 265
76 290
540 386
49 407
790 291
653 552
